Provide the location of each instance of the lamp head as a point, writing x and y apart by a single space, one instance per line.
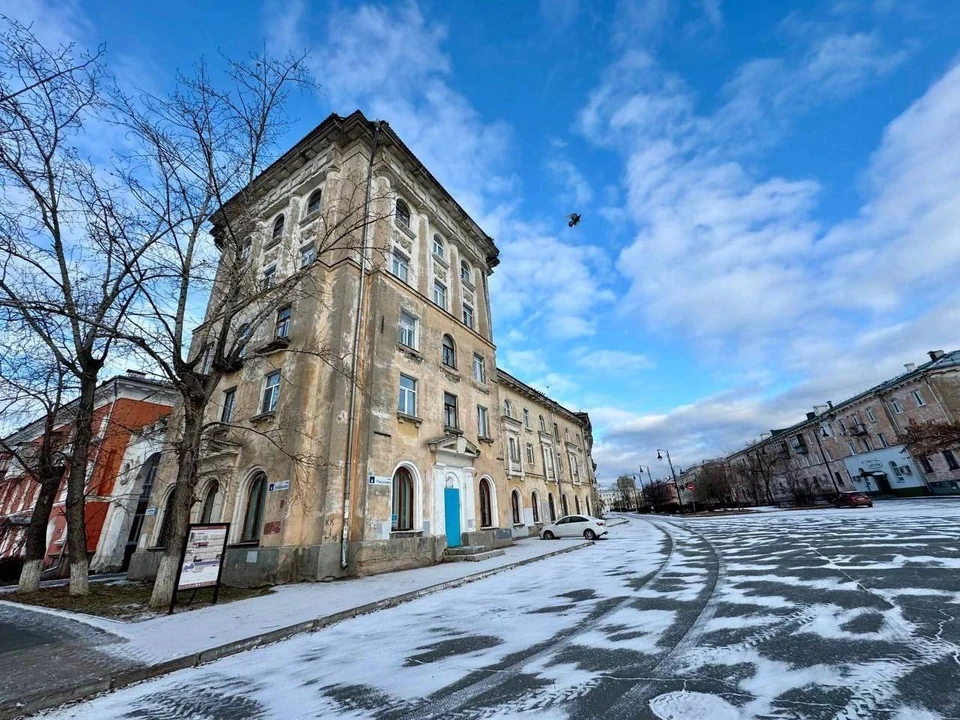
659 456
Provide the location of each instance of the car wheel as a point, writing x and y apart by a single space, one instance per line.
589 534
548 535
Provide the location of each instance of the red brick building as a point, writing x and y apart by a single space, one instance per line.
128 424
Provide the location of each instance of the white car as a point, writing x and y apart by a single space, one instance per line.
575 526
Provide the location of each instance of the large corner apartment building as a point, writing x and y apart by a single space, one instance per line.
442 449
852 445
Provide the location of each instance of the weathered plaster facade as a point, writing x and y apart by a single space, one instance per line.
403 470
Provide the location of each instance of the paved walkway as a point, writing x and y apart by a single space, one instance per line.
146 648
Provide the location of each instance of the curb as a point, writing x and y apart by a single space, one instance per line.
122 679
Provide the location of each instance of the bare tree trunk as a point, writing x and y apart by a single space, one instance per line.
76 485
188 459
36 545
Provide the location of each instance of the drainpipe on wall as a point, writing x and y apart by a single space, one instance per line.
351 418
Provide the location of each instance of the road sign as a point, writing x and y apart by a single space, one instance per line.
689 486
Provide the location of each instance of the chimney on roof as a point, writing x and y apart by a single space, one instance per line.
811 415
910 366
830 404
935 355
136 373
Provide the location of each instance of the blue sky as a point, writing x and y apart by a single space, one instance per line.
770 192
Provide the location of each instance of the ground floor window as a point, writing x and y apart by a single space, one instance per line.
535 501
402 500
486 504
206 515
517 505
553 507
253 517
166 523
564 506
576 503
587 500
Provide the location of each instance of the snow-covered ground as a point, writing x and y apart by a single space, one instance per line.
820 614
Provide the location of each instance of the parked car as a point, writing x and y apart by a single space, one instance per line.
852 500
574 526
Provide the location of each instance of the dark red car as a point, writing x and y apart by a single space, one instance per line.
853 500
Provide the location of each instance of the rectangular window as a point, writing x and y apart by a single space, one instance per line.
408 396
897 407
283 322
526 418
479 369
514 449
467 315
440 294
843 428
269 278
308 253
400 267
556 431
271 392
852 448
829 454
883 440
951 460
925 464
868 446
408 330
450 411
530 457
836 474
871 415
245 249
826 429
918 398
483 423
437 246
226 412
543 426
548 461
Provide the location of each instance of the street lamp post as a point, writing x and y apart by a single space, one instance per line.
823 455
643 490
674 474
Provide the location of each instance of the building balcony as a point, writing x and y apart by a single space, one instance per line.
857 429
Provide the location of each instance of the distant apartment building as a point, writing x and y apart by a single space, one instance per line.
442 449
852 445
128 425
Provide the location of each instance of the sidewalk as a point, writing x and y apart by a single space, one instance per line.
161 645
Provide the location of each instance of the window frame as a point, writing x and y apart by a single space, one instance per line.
414 329
403 217
439 294
448 351
516 507
918 398
469 318
228 401
252 527
403 497
279 223
451 409
897 407
281 327
479 368
274 389
951 459
400 262
268 277
526 418
870 416
438 242
313 208
465 271
483 422
308 255
408 393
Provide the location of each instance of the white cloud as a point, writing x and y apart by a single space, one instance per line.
613 361
577 191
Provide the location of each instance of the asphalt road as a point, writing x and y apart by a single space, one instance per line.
824 614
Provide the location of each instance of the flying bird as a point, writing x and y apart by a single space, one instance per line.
574 219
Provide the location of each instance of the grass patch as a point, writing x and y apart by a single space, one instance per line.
127 599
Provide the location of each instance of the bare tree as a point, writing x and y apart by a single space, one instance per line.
715 484
30 387
202 150
67 246
628 490
929 438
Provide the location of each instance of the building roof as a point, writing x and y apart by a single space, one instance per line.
942 362
576 416
352 124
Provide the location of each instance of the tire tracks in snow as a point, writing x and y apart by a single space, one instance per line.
445 701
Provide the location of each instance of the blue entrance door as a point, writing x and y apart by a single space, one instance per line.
451 512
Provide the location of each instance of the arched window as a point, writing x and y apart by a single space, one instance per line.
402 500
464 270
535 502
564 507
486 504
553 507
206 515
587 500
166 523
253 517
516 505
449 356
576 503
438 246
313 204
403 214
278 228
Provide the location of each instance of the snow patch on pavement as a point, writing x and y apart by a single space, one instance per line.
685 705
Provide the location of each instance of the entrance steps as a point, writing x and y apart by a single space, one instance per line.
471 553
